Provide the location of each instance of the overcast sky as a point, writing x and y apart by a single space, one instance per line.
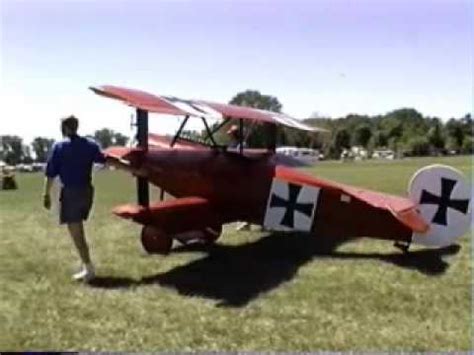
333 57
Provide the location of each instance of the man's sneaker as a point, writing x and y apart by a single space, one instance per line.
86 274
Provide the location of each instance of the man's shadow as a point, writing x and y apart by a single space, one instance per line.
234 275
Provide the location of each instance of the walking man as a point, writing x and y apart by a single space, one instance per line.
72 159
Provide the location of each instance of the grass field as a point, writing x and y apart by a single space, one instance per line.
252 291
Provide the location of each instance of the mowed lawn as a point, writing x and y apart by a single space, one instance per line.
252 291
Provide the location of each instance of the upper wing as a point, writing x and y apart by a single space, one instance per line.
403 209
176 106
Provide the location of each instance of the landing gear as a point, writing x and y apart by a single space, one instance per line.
155 241
206 236
403 246
211 234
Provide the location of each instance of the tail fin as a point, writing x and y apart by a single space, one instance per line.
443 198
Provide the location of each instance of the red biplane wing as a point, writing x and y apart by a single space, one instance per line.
173 216
175 106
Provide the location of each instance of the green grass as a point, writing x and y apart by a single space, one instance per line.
252 292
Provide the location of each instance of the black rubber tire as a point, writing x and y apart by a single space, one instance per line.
155 241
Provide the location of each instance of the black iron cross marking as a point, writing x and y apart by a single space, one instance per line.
444 201
291 205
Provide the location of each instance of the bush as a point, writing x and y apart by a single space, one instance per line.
468 145
418 146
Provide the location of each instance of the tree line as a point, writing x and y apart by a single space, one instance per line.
405 131
14 151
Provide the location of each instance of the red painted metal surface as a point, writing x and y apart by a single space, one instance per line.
402 208
172 216
214 187
200 108
138 99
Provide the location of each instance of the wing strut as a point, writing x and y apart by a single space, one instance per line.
241 136
143 190
208 132
176 136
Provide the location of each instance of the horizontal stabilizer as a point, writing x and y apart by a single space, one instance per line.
404 209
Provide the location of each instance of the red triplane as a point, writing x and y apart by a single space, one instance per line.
214 185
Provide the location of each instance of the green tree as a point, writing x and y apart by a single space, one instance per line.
341 140
253 98
362 135
12 149
379 139
27 158
468 125
418 146
41 147
107 137
468 145
436 137
120 139
257 134
456 132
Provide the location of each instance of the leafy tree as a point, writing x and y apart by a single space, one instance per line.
468 125
379 139
468 145
12 149
456 133
253 98
418 146
362 135
27 159
42 146
341 140
107 137
120 139
257 134
435 136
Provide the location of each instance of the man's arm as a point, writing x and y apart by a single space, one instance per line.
52 170
125 165
48 185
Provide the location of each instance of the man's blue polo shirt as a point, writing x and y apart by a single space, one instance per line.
72 160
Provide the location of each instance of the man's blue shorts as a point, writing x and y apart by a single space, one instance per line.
75 204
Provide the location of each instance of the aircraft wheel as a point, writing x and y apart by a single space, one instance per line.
202 236
155 241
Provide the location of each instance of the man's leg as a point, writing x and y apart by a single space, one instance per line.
76 230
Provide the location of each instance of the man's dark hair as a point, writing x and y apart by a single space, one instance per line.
71 122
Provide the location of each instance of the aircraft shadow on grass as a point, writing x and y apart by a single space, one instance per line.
235 275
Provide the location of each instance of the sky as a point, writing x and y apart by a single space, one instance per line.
330 57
